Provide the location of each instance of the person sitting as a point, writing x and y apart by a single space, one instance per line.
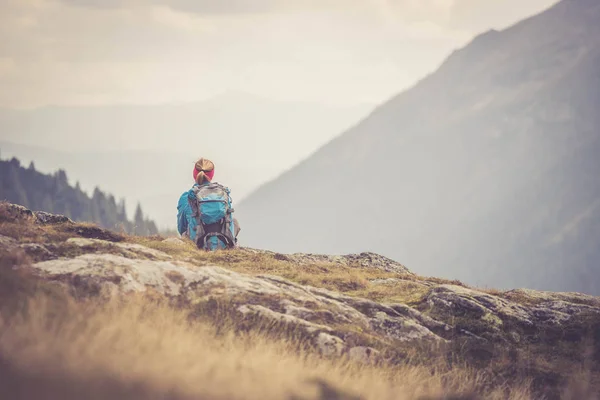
205 212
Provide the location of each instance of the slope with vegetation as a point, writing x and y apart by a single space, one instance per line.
484 171
53 194
86 310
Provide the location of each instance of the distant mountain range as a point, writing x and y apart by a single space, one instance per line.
146 153
487 170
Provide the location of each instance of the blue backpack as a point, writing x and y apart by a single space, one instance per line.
211 207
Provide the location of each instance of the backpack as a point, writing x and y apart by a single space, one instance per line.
211 207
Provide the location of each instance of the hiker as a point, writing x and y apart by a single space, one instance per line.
205 212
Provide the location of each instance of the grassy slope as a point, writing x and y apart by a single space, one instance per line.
143 347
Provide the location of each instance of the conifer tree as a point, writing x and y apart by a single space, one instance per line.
139 222
52 193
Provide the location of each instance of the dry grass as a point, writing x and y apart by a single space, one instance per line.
52 347
138 348
350 280
404 291
353 281
27 233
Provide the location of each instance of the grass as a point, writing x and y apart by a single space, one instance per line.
146 348
349 280
135 347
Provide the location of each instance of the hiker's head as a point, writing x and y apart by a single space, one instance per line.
204 170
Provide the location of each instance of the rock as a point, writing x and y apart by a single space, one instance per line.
297 311
438 327
272 297
138 275
402 329
387 281
472 325
108 270
8 243
460 301
15 212
83 242
372 260
138 250
558 312
335 302
476 322
363 354
143 268
329 345
362 260
311 315
38 251
279 317
489 317
45 218
515 337
538 296
34 250
409 283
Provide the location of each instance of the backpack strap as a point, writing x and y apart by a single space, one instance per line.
193 201
223 238
227 231
226 234
228 227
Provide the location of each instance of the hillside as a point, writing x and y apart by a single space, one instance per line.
53 194
84 310
484 171
152 178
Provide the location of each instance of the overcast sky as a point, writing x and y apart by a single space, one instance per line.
81 52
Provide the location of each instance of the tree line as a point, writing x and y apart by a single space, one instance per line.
52 193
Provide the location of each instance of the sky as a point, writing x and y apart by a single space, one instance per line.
337 52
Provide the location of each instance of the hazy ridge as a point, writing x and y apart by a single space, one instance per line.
483 171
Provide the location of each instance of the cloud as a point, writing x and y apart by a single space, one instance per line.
101 4
107 51
450 13
409 9
59 33
225 7
7 66
477 15
194 6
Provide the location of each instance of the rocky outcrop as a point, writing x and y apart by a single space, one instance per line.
125 268
488 324
364 260
17 212
448 310
501 315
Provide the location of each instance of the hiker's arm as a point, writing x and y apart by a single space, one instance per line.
182 224
236 224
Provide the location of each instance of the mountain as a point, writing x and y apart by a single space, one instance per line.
87 313
53 194
484 171
147 152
